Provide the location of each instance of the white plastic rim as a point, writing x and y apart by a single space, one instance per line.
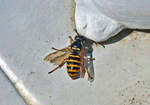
100 19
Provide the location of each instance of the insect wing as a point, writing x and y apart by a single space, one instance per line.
58 56
89 62
82 65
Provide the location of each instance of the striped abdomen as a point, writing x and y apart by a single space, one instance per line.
73 66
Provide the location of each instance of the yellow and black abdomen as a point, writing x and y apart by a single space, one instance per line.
73 66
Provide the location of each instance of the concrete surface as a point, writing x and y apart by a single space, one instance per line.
8 94
29 30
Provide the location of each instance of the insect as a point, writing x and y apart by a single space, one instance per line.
78 58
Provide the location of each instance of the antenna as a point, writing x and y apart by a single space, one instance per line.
76 31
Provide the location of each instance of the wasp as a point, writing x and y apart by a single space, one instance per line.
77 56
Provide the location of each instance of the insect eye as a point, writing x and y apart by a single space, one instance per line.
77 37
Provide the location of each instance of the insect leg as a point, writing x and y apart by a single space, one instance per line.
88 74
91 59
54 48
86 48
70 39
60 65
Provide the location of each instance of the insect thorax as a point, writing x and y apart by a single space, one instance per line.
76 46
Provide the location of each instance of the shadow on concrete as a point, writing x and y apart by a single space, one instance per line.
124 33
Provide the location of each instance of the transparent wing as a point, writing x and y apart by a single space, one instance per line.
58 56
89 61
82 64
